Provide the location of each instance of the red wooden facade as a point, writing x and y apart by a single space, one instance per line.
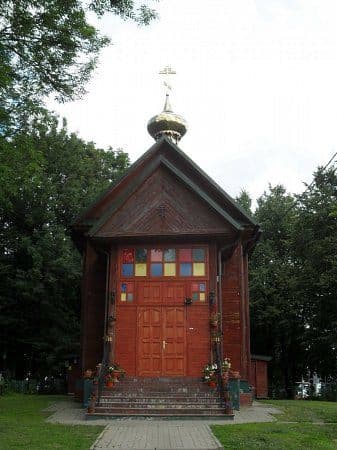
165 248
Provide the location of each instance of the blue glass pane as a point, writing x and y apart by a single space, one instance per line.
202 287
156 269
186 269
127 270
129 297
123 287
198 254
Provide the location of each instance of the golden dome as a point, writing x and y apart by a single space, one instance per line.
167 123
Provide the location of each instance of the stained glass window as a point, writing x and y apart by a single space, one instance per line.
185 254
185 269
169 269
127 270
198 269
140 270
141 255
156 269
169 262
198 292
169 255
156 255
127 292
128 255
198 254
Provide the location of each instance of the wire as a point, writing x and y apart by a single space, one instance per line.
309 186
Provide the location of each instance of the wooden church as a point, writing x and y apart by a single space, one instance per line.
165 283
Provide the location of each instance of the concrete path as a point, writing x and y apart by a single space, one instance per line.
141 434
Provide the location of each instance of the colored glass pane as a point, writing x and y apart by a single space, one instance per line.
202 296
123 287
195 296
198 254
129 287
140 270
169 255
185 254
156 255
123 296
202 287
156 270
198 269
141 255
128 256
129 297
195 287
127 270
185 269
169 269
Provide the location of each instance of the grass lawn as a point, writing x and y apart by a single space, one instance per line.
22 426
278 435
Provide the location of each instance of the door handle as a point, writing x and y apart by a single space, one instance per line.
164 345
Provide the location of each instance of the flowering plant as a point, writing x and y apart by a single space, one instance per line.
111 372
210 372
226 364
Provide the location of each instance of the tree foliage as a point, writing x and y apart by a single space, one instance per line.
48 176
293 280
48 46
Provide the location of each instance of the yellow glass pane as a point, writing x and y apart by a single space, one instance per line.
123 297
169 270
140 270
198 269
202 296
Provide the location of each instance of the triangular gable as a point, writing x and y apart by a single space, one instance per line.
165 153
163 205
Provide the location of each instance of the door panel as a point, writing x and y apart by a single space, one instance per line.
161 341
149 293
174 339
173 293
149 341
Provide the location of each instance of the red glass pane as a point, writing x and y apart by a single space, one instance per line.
195 287
156 255
129 287
128 255
185 254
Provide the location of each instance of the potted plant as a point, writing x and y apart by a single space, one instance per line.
226 364
210 371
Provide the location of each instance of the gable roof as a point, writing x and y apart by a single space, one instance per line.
163 153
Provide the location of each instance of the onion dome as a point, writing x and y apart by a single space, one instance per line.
167 123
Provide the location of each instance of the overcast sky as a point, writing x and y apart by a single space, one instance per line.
256 81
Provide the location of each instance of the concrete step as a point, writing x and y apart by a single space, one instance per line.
157 410
180 416
151 405
155 400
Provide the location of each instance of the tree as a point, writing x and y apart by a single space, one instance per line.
48 177
315 243
48 46
276 310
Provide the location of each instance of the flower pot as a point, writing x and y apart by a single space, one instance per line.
91 409
109 384
212 384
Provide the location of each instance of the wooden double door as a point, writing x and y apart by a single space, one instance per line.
161 340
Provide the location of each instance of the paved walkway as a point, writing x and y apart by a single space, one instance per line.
141 434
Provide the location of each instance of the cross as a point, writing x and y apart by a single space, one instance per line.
167 71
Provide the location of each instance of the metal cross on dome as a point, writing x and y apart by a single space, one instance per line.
167 72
